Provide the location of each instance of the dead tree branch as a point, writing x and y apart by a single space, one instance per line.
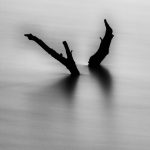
103 50
68 62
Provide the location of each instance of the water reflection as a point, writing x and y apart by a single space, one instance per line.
103 78
66 86
72 110
60 92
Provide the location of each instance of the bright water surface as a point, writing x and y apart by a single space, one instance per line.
43 108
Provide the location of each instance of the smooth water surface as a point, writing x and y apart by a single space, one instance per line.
43 108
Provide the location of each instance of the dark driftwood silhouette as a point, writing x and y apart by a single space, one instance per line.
68 62
103 50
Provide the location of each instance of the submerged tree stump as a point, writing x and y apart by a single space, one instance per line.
68 62
103 50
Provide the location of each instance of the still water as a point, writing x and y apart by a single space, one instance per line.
46 110
42 107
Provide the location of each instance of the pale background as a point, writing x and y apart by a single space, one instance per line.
41 108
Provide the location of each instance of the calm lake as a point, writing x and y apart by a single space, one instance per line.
43 108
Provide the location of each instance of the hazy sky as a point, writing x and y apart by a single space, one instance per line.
80 22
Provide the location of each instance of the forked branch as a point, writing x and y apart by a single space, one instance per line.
68 62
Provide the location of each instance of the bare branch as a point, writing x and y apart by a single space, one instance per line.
103 50
67 62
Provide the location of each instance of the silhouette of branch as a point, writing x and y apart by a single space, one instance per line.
103 50
68 62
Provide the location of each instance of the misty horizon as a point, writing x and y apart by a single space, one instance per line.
43 107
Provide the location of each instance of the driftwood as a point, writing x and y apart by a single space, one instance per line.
68 62
103 50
